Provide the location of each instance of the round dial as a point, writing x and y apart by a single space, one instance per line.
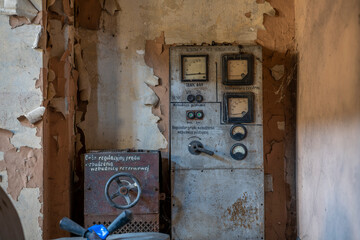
238 132
238 151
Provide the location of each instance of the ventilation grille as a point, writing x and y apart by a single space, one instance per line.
135 227
140 223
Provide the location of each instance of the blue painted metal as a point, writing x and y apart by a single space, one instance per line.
100 230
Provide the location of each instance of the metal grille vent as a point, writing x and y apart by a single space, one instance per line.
135 226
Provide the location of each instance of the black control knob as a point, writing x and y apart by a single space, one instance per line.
196 147
190 115
199 98
190 98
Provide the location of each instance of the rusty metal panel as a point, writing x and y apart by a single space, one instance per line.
217 139
214 194
100 166
218 204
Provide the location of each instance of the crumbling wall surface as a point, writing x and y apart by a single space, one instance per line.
119 114
60 83
328 116
125 50
279 92
21 156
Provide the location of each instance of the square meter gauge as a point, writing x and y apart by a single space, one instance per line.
194 68
239 107
238 69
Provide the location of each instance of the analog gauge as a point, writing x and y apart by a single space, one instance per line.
194 68
238 151
237 69
238 107
238 132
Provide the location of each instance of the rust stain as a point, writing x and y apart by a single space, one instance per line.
241 213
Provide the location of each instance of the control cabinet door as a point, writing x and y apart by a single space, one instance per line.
216 146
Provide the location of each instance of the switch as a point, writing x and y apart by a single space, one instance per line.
199 98
199 115
190 115
196 147
190 98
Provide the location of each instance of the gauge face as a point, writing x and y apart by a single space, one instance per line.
194 68
237 69
238 151
238 107
238 132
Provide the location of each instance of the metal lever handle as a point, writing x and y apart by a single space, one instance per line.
201 149
196 147
71 226
120 221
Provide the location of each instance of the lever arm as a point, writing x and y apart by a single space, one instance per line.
196 147
120 221
71 226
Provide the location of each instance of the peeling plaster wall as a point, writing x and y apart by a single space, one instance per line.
61 75
122 82
21 160
279 102
328 117
119 114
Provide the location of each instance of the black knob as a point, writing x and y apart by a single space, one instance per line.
191 98
199 98
196 147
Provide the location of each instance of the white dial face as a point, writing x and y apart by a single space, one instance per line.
238 107
237 69
194 68
238 129
239 149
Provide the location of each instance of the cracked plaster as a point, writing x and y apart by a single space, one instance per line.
19 70
116 115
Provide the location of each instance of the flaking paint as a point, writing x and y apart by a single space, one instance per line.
21 164
117 116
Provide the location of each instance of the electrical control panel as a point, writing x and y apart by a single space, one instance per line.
216 142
